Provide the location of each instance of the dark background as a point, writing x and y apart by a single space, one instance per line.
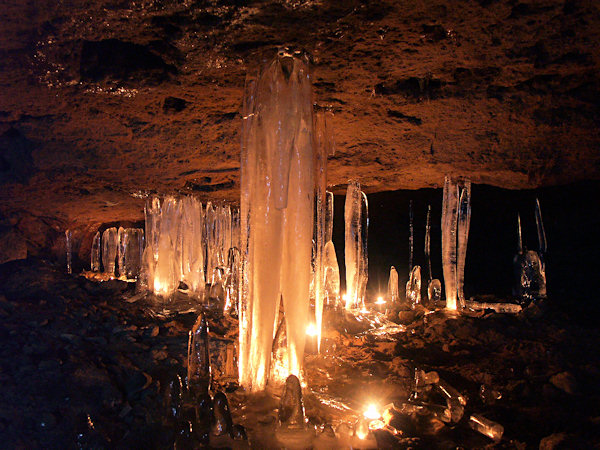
571 220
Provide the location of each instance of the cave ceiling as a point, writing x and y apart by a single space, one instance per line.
102 102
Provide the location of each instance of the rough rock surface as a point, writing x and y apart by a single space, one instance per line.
103 101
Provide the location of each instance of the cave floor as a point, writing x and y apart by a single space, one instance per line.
85 365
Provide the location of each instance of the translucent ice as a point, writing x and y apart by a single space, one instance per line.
69 245
332 275
456 216
199 358
277 209
221 422
487 427
411 235
328 216
434 287
352 254
364 254
413 287
131 245
393 293
451 393
95 253
192 251
291 406
434 290
109 249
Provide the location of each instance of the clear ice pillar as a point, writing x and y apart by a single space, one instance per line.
109 249
456 216
353 241
277 209
393 291
95 253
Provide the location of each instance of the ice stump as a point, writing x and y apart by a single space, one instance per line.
198 377
221 422
413 287
292 431
393 293
434 286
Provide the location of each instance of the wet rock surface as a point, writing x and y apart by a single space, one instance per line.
103 101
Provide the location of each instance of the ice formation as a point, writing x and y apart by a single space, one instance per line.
109 249
413 287
69 247
356 217
221 422
130 252
529 265
393 293
456 217
95 253
187 243
198 376
434 287
332 275
486 427
277 209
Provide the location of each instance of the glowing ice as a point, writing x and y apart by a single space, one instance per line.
199 358
486 427
456 216
434 287
356 216
393 291
413 287
131 245
109 249
332 275
95 253
277 202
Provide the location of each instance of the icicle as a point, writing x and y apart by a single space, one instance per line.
69 247
109 250
543 245
411 236
364 254
352 254
428 243
519 236
328 216
464 224
199 358
95 253
332 275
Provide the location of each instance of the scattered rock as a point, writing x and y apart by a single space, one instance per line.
565 381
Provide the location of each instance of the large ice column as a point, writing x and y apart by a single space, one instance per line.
393 289
456 215
353 241
332 274
131 241
449 212
109 249
210 239
276 215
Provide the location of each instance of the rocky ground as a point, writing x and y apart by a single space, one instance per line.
84 364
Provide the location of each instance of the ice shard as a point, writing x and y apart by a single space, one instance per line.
277 204
199 358
353 241
487 427
95 253
232 282
393 294
109 250
69 247
456 216
413 287
332 275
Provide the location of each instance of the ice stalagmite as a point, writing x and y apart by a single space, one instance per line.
277 198
95 253
192 255
364 254
456 216
109 249
464 224
352 254
332 275
434 287
393 291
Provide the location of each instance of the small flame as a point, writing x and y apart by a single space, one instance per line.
380 301
371 412
345 297
311 330
361 434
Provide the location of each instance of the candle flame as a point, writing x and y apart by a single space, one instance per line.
371 412
311 330
380 301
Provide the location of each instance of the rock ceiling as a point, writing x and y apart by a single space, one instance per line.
104 101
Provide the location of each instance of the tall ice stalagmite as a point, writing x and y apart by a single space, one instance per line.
277 211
